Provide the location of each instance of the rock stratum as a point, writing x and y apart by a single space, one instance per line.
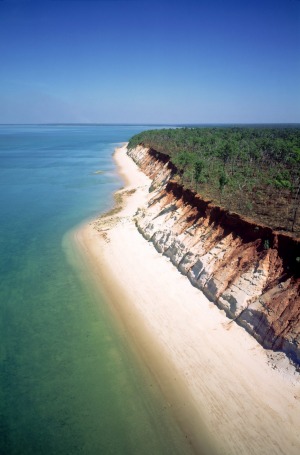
247 269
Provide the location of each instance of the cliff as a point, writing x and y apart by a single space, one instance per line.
249 270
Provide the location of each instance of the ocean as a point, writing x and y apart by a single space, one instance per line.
69 380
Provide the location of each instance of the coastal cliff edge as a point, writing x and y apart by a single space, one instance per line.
248 270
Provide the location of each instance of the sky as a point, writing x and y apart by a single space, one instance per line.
129 61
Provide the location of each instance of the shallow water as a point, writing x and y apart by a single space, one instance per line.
69 383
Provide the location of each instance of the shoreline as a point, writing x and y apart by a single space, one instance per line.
210 370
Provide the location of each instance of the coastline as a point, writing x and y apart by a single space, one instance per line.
210 370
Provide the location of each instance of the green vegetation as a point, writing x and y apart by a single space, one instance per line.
254 171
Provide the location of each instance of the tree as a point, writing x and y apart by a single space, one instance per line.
223 181
183 159
198 168
226 152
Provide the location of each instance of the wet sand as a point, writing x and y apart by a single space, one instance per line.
220 382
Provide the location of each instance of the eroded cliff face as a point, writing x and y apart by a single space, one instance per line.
247 269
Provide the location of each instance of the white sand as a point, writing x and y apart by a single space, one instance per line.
209 369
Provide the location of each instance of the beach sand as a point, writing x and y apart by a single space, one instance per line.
219 381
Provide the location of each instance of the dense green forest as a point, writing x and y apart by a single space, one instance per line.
254 171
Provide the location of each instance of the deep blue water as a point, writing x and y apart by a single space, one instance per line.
69 383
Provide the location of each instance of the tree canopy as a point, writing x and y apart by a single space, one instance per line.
254 171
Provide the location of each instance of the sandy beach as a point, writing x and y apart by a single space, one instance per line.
218 379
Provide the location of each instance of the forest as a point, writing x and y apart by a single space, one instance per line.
253 171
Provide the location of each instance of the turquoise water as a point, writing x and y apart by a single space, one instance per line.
69 383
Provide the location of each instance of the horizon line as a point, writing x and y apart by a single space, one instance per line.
147 124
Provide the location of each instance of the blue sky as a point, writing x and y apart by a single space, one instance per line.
127 61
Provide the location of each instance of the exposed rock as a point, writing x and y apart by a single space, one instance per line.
247 269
